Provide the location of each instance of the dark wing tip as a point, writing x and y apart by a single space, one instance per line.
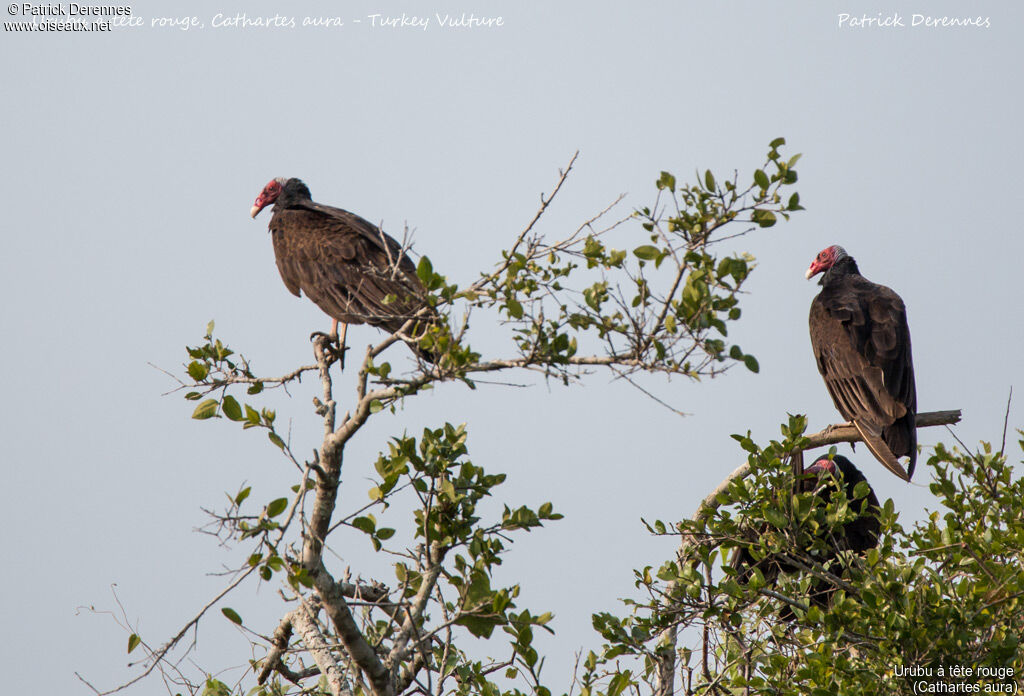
882 452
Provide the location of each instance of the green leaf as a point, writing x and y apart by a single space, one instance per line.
303 578
479 626
207 409
619 683
276 507
751 362
709 180
776 518
425 270
364 524
376 406
232 615
198 370
133 641
231 408
761 179
861 490
515 308
763 218
647 252
666 181
276 439
385 533
209 329
778 142
242 495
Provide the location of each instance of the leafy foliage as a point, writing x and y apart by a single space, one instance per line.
662 307
946 593
652 292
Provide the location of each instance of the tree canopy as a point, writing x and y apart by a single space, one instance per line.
652 291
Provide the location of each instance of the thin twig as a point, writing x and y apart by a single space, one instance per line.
1006 421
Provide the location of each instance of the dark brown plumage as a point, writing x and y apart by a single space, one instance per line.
344 264
861 344
857 535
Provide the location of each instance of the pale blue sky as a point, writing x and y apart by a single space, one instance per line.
131 160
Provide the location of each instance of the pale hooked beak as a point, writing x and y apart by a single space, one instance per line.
259 204
814 269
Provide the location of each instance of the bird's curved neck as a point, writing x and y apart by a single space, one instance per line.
840 269
294 193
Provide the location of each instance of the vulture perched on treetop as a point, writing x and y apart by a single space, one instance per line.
862 346
344 264
857 535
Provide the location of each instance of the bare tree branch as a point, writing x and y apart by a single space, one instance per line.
278 645
304 621
361 652
410 626
544 203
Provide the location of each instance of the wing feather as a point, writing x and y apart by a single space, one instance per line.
345 269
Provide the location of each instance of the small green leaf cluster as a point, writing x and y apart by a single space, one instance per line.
368 525
437 337
663 306
706 205
212 364
213 371
448 488
215 687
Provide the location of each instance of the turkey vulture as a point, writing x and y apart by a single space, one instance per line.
344 264
858 535
862 346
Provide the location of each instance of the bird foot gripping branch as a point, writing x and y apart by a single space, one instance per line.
331 346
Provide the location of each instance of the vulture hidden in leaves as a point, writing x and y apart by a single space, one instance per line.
344 264
861 343
857 535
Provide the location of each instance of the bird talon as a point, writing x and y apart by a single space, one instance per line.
330 345
338 353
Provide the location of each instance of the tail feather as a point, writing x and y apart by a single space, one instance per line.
882 453
901 437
